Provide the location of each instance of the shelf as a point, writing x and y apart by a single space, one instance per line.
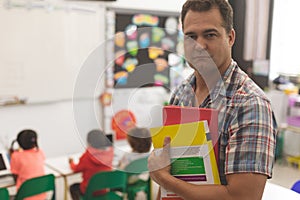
294 129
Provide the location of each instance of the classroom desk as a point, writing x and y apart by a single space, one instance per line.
277 192
61 165
9 182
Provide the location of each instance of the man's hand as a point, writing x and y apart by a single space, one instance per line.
159 162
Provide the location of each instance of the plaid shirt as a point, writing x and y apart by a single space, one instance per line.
247 126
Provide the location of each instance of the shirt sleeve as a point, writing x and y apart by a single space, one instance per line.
80 166
43 155
251 146
123 162
14 164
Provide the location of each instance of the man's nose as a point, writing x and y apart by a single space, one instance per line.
200 44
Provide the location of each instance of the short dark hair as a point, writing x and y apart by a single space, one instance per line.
205 5
139 139
27 139
97 139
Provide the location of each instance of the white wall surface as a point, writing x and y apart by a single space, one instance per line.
284 58
43 50
156 5
145 103
54 121
60 130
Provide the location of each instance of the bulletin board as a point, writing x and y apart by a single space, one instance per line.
146 46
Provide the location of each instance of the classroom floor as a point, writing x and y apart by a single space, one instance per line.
284 174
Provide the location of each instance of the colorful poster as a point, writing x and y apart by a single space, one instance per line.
142 45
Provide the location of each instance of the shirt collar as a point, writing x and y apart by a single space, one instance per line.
221 87
223 84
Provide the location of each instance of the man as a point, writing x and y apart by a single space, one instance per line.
247 126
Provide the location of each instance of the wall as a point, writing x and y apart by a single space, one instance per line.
43 50
238 51
61 123
154 5
60 129
284 52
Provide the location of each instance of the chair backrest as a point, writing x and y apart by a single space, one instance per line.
36 186
296 187
137 166
136 183
105 180
4 195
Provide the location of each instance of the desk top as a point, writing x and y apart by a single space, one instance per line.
8 180
276 192
61 165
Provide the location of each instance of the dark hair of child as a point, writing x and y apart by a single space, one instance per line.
97 139
139 139
27 139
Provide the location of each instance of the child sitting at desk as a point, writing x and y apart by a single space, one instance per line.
28 161
140 141
97 157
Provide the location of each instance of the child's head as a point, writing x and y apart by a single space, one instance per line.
97 139
27 139
139 139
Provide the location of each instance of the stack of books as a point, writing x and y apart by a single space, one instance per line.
194 136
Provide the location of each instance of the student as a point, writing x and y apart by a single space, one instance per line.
97 157
139 140
247 125
28 161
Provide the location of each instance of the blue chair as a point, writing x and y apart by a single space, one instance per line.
296 187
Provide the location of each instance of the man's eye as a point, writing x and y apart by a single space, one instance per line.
193 37
211 35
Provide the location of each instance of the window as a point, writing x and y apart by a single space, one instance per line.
285 57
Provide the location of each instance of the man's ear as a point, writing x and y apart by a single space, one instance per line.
231 37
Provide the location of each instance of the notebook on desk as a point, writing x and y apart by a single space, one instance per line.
6 178
4 164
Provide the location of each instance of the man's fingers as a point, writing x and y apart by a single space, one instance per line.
167 142
160 158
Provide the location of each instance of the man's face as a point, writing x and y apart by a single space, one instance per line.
206 44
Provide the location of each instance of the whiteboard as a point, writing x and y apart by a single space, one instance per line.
42 50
